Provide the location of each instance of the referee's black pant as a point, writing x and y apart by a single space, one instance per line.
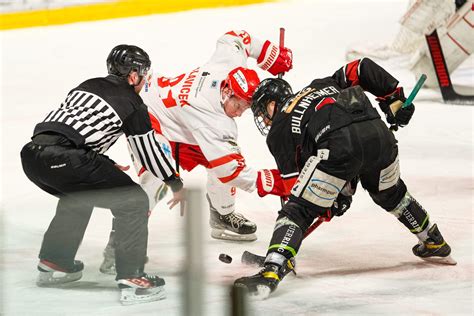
82 179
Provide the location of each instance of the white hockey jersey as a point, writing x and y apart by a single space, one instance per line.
189 108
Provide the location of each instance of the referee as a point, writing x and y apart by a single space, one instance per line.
66 159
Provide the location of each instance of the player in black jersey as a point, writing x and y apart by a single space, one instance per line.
66 159
324 139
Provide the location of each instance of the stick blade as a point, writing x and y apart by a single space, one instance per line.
252 259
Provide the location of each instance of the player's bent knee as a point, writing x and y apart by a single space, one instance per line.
301 215
389 198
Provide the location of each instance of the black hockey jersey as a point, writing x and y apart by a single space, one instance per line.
323 106
97 112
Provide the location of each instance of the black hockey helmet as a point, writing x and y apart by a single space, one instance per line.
271 89
126 58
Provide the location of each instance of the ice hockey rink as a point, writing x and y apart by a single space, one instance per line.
358 264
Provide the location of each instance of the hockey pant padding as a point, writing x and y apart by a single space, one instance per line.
316 187
221 197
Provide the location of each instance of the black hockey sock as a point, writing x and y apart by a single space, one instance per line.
285 242
411 214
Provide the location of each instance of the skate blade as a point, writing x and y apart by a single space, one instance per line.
262 293
224 234
46 279
131 296
441 260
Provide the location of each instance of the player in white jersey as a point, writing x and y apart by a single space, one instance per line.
195 111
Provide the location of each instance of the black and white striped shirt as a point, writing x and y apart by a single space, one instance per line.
97 112
91 117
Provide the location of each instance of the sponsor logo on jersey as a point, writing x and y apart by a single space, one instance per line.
321 132
166 150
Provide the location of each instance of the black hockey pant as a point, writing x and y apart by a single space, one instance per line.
82 179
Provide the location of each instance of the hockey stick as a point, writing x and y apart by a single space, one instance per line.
280 75
444 80
181 205
397 105
254 259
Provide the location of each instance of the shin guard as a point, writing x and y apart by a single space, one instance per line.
411 214
285 242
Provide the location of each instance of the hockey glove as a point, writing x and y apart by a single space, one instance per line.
275 59
344 199
341 205
269 182
400 117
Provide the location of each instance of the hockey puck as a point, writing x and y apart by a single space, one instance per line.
225 258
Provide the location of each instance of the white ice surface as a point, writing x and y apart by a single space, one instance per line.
360 264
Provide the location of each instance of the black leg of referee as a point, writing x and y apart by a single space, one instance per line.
82 179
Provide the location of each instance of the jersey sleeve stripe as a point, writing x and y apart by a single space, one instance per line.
233 175
225 159
146 148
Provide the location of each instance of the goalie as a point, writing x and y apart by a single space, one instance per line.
454 22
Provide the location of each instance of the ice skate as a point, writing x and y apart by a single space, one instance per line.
51 274
434 249
233 226
144 289
266 281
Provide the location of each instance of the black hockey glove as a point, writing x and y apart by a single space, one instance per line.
341 205
400 117
344 199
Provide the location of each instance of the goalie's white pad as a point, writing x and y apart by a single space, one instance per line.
456 42
424 16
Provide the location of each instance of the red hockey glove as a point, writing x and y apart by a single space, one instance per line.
275 59
269 182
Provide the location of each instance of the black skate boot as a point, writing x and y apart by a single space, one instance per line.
434 249
233 226
50 274
144 289
266 281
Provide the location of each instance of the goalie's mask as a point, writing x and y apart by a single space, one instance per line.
123 59
271 89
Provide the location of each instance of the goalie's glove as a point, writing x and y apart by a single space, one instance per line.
275 59
401 117
269 182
